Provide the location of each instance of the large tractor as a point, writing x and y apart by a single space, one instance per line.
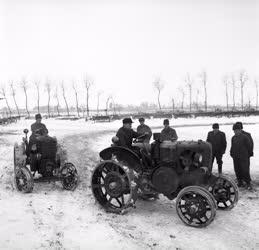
179 170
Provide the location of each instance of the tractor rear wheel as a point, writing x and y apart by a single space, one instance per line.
114 186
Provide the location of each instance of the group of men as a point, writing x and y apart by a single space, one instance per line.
241 144
126 134
241 150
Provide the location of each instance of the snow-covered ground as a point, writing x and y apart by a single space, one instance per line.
51 218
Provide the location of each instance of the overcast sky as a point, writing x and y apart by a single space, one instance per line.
124 45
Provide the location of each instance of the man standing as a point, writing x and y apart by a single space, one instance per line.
126 134
241 149
249 137
143 128
168 133
217 139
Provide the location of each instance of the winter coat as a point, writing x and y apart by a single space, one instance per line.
251 141
142 129
241 147
168 134
218 142
35 127
126 136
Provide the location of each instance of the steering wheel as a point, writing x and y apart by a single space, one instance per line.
138 138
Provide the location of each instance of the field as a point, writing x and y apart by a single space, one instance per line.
51 218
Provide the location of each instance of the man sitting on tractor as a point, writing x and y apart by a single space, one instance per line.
126 134
168 133
38 128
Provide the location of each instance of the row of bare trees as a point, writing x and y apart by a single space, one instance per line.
233 81
53 91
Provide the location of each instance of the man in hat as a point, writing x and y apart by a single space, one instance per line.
249 137
143 128
168 133
241 149
217 139
37 127
126 134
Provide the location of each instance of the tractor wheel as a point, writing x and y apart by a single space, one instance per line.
225 192
23 180
196 206
69 176
114 186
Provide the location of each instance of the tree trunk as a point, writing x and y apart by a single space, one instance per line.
48 105
205 92
38 102
26 103
87 102
227 95
77 108
158 100
7 104
14 99
242 96
190 92
173 104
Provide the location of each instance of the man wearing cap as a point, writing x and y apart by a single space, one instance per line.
168 133
217 139
126 134
249 137
241 149
143 128
38 127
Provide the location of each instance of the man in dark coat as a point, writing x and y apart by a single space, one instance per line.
143 128
168 133
217 139
126 134
241 149
249 137
37 127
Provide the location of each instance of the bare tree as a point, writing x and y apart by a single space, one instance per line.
64 96
225 82
24 86
107 103
242 80
48 89
3 93
76 96
197 99
233 83
57 99
256 88
189 83
98 101
159 87
204 79
181 90
37 85
13 93
88 84
173 104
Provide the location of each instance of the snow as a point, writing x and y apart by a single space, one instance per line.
52 218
